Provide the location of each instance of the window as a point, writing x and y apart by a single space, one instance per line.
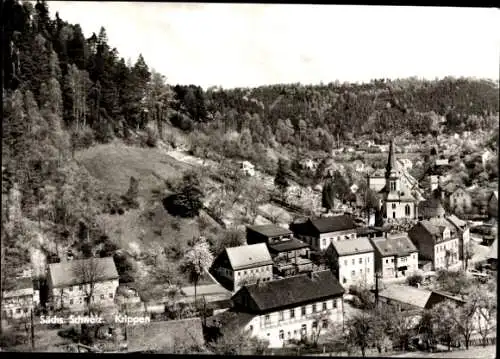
111 295
324 241
26 310
315 325
393 186
71 288
345 262
394 206
386 261
267 318
251 327
282 315
18 310
239 273
344 280
407 210
361 271
360 260
292 313
325 324
353 262
314 308
80 287
289 335
303 329
367 259
353 273
245 272
102 296
71 301
295 332
324 306
392 260
303 311
393 214
81 300
334 303
367 270
282 335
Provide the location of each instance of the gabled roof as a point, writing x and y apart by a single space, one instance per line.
494 194
395 245
165 335
405 294
270 230
493 253
230 320
333 224
81 271
281 293
457 222
431 207
352 246
249 256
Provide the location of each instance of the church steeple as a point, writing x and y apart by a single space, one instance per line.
391 161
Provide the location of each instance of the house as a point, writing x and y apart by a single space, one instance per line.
18 301
492 256
243 264
395 255
309 164
493 205
290 255
247 168
460 201
165 336
463 233
320 232
291 308
431 208
413 300
371 232
436 240
71 283
394 190
353 262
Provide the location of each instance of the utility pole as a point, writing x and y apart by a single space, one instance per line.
32 331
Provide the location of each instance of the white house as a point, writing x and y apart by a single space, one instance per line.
242 265
19 300
287 309
247 168
353 261
74 283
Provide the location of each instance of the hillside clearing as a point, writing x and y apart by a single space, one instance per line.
114 164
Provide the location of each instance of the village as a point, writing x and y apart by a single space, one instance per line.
294 286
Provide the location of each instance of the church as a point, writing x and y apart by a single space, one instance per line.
397 190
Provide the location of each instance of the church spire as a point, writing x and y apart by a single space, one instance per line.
391 161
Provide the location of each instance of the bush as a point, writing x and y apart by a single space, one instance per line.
82 139
70 333
182 122
415 280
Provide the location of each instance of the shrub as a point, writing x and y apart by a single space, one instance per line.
415 280
182 122
70 333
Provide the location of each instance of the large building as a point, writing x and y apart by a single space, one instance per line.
353 262
74 285
320 232
289 309
397 190
395 256
242 265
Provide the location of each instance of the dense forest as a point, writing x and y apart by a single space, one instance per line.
63 92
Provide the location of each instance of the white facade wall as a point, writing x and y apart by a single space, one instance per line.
326 238
73 297
377 183
396 210
356 269
269 326
440 253
17 307
264 273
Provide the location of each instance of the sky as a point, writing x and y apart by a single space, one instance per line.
246 45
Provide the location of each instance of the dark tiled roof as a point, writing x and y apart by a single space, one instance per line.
394 245
288 245
165 334
294 290
230 320
362 231
431 208
80 271
333 224
271 230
